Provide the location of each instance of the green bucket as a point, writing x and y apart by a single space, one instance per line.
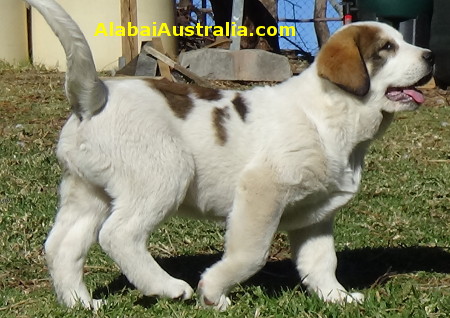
399 10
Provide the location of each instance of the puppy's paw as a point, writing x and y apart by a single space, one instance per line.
221 305
97 304
219 302
178 289
72 300
341 296
355 298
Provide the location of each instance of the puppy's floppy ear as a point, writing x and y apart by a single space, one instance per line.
341 61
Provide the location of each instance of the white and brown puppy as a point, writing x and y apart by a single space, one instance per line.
136 152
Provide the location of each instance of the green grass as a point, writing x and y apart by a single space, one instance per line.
393 239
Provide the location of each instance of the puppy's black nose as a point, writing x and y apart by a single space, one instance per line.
428 56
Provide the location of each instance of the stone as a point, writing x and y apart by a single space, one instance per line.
243 65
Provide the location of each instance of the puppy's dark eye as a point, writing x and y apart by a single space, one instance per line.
388 46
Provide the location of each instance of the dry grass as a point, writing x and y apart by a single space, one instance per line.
393 239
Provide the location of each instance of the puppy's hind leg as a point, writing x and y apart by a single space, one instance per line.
82 210
142 201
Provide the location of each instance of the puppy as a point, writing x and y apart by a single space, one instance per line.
136 152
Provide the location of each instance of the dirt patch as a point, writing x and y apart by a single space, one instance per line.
436 97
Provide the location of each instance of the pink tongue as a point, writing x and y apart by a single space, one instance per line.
416 95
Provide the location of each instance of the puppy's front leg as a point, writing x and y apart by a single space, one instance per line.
250 229
315 258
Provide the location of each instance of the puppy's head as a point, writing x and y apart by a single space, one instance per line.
371 60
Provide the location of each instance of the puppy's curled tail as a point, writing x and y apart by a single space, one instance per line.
87 94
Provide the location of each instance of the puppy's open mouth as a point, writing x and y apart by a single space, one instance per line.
405 94
408 94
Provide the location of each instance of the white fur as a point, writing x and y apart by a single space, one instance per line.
289 166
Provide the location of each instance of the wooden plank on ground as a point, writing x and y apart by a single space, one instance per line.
164 69
128 10
220 40
174 65
429 85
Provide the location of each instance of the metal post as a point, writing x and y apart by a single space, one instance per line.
204 13
236 17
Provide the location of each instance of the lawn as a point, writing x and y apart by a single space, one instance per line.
393 239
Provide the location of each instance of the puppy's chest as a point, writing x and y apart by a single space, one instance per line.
341 186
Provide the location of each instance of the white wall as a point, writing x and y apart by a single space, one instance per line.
13 31
88 14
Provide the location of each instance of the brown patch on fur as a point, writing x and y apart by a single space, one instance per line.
240 106
341 59
379 57
177 96
219 116
207 93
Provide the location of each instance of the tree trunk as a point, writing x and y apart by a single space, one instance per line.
321 27
272 7
256 13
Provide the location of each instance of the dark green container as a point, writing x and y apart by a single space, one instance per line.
398 10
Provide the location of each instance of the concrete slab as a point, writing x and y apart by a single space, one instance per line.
146 65
243 65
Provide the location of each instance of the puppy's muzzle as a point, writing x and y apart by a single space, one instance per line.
428 57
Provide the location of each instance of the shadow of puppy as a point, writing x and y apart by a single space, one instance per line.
358 269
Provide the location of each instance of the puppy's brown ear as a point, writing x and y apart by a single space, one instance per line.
341 61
